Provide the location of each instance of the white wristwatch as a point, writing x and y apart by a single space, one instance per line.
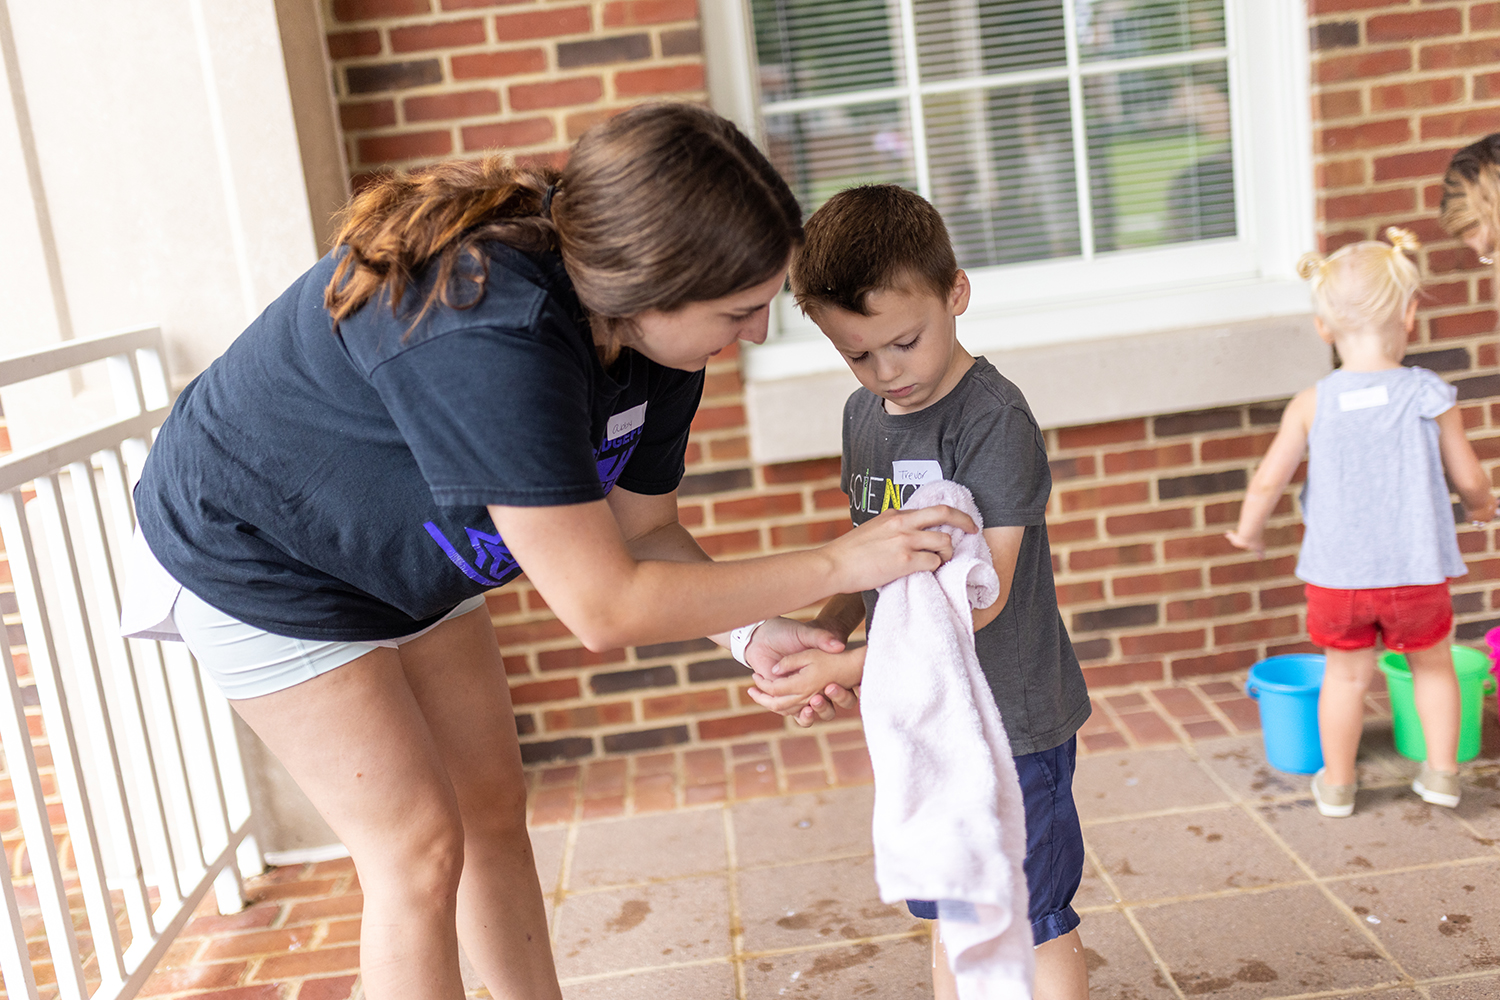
740 638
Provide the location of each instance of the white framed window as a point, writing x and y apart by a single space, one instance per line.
1106 167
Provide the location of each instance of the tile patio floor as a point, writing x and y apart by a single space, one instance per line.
744 872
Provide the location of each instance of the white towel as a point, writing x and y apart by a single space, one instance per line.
950 823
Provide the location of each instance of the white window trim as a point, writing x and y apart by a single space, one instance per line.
1026 307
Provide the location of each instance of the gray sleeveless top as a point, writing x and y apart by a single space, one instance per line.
1376 507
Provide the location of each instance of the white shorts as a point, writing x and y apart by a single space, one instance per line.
247 662
244 661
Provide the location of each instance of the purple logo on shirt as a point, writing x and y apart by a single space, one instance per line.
492 561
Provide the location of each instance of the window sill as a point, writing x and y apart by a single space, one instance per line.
796 389
995 325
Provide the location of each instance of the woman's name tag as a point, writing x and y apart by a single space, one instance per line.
1363 399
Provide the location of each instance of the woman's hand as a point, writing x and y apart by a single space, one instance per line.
777 638
895 543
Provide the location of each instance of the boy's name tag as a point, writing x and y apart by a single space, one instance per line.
1363 399
623 423
916 472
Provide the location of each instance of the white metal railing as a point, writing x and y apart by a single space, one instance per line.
146 764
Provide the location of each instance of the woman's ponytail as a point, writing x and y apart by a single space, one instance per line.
403 224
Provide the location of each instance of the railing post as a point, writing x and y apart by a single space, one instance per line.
36 824
186 789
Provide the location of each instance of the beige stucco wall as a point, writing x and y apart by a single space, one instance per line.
169 164
164 154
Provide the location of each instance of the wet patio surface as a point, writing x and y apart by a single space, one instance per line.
1209 874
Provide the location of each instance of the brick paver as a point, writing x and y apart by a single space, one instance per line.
298 938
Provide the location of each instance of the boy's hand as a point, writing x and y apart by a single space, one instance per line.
1480 516
823 707
808 684
1255 543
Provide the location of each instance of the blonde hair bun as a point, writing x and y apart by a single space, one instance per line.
1310 264
1403 240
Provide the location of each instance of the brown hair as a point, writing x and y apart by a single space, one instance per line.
661 205
1471 188
667 204
869 238
403 224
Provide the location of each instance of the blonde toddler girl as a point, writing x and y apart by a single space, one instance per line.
1379 543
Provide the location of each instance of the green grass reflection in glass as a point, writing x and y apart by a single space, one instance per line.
1145 175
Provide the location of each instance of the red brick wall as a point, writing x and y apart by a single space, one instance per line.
419 80
1149 589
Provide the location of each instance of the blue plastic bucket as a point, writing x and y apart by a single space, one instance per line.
1287 689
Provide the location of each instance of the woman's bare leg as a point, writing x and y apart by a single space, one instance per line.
355 741
459 682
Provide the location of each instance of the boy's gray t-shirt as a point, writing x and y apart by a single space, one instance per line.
983 436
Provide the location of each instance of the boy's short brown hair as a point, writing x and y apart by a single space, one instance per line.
870 238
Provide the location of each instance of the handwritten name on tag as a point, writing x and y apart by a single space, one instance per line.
916 472
1363 399
623 423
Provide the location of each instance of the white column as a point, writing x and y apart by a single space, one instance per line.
163 138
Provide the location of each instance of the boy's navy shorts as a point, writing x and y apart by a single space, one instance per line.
1054 842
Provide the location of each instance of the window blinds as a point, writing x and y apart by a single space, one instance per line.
1042 129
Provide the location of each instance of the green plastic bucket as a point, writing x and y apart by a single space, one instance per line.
1474 682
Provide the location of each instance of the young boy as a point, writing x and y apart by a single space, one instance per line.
878 276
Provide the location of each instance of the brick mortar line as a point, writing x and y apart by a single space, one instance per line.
564 874
599 977
920 932
736 918
491 24
492 14
1163 969
490 19
1258 890
748 956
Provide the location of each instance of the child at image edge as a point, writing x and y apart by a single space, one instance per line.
1379 543
878 276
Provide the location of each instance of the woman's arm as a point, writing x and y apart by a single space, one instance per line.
1275 471
578 558
649 525
650 528
1463 468
843 613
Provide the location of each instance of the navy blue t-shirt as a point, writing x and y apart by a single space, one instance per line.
333 486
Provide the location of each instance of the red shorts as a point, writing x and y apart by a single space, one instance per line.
1405 617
